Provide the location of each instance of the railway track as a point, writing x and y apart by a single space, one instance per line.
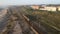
25 21
39 30
27 27
34 27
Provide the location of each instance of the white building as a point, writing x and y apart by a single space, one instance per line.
35 7
58 8
48 8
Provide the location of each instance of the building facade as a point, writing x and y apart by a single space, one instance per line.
35 7
47 8
59 8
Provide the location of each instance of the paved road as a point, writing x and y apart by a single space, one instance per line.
3 19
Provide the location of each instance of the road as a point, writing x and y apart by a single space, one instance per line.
3 19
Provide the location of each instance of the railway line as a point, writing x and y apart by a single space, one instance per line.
36 28
20 20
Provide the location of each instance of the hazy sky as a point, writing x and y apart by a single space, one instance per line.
24 2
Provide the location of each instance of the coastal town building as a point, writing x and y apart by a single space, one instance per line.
35 7
47 8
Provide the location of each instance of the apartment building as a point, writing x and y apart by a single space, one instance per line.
58 8
35 7
47 8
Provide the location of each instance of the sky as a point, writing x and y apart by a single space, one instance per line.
28 2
